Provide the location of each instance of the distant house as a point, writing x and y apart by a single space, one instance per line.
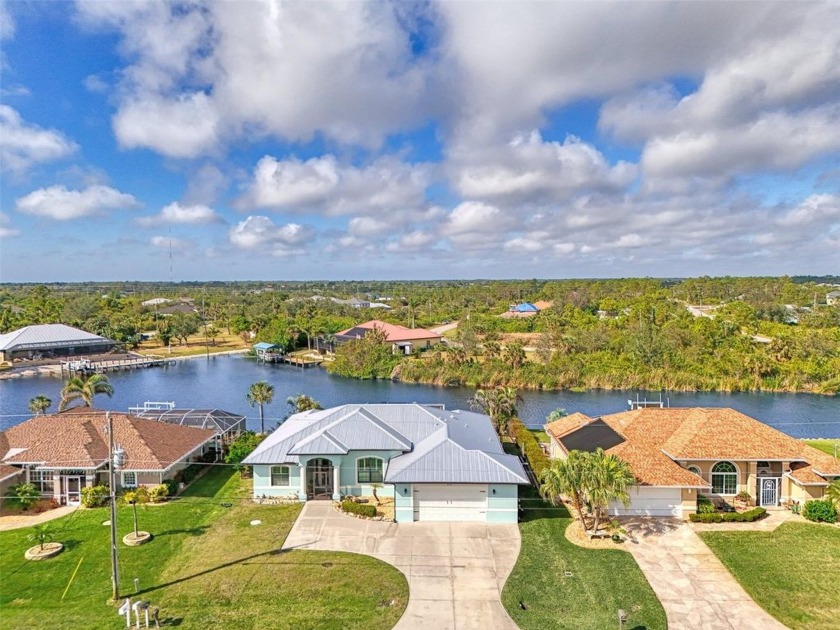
525 309
155 302
65 452
184 308
832 298
403 340
51 339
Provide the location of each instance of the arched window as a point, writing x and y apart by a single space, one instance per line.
695 470
369 470
724 478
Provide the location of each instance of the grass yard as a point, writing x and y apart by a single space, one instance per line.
826 446
195 346
206 567
602 581
541 435
793 572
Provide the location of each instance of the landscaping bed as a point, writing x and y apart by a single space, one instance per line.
563 586
205 566
792 572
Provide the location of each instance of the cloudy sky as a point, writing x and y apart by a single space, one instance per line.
308 140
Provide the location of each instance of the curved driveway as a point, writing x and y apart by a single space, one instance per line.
455 571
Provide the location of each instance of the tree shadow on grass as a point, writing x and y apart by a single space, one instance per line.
192 531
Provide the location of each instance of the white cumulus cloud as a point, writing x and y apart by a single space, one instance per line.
177 213
61 204
23 145
258 232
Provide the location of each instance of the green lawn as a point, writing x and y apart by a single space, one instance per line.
601 581
206 567
541 435
826 446
793 572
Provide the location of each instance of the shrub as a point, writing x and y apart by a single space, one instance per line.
529 446
362 509
26 494
729 517
704 504
95 496
158 494
820 510
189 473
171 486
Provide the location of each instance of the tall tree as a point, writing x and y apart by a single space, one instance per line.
567 477
39 404
498 403
261 393
85 388
609 480
302 402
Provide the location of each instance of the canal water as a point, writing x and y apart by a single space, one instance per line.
222 382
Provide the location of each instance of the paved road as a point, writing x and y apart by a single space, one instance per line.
444 328
455 571
696 590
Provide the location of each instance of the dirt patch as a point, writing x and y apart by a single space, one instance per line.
576 535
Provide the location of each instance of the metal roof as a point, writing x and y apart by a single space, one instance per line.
262 345
216 419
437 446
48 335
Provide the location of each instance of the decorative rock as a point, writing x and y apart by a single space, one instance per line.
134 541
256 521
106 523
49 550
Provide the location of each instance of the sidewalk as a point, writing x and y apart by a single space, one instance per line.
19 521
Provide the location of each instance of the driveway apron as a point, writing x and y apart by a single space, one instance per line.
455 571
696 590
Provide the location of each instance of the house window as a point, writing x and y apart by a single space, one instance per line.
129 480
695 470
724 478
41 479
279 475
369 470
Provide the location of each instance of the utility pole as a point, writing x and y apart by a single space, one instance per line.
112 480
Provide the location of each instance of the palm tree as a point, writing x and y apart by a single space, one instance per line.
302 402
567 477
261 393
85 388
498 403
609 480
556 415
39 404
832 493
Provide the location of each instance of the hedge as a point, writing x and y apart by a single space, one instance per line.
95 496
362 509
729 517
820 511
529 446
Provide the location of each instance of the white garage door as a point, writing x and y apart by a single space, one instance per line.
450 502
650 502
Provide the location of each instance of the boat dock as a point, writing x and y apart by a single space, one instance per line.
86 366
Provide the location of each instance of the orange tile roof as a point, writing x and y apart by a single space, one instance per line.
393 332
656 437
77 438
8 471
542 304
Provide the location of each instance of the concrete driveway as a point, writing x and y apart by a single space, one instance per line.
696 590
455 571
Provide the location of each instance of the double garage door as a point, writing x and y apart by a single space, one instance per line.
450 502
650 502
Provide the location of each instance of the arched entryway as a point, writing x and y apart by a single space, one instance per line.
319 479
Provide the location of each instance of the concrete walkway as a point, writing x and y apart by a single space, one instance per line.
19 521
696 590
455 571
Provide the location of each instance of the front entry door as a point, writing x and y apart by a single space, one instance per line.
319 479
72 490
769 492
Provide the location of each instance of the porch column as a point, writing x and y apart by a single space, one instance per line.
336 481
302 467
57 487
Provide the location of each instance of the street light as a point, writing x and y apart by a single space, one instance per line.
116 459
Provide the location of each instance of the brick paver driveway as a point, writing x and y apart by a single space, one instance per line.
455 571
696 590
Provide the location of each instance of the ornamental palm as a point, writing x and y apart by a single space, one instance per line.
609 480
261 393
39 404
85 388
567 477
498 403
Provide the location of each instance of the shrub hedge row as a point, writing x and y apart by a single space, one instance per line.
362 509
729 517
529 446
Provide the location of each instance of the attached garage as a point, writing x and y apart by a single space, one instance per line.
450 502
649 501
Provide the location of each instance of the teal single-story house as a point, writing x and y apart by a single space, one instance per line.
438 465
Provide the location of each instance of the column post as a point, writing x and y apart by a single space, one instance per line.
337 481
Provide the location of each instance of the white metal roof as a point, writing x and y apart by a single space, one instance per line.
48 335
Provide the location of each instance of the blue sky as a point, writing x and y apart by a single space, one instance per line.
300 140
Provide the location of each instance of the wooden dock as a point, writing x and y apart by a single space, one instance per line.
85 366
301 361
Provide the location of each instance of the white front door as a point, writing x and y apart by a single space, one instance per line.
450 502
72 490
769 491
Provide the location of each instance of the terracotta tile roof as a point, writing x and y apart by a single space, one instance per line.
656 437
8 471
393 332
542 304
77 439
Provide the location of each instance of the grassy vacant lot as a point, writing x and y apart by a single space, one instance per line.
206 567
602 581
793 572
826 446
195 346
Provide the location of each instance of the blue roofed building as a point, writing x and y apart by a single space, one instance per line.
438 465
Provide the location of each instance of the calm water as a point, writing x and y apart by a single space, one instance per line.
223 381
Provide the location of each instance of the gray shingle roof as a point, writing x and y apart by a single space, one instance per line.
438 446
48 336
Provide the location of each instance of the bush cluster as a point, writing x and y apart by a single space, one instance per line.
158 494
729 517
362 509
529 446
189 473
95 496
704 505
171 486
820 511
